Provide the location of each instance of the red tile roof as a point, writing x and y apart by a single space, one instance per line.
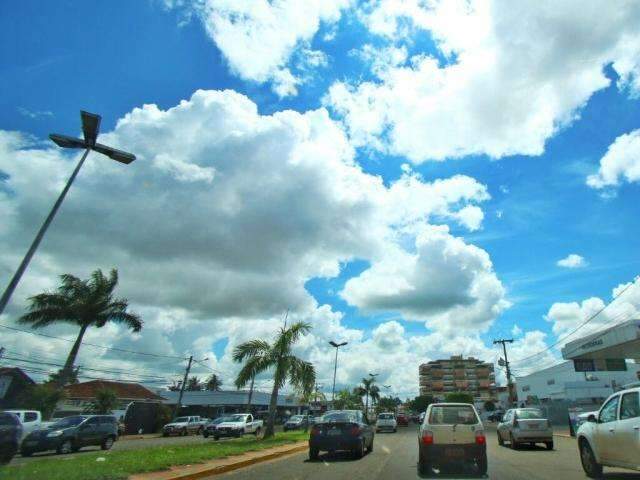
128 391
17 371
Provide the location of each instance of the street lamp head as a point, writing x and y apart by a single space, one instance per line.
115 154
65 141
90 127
374 374
333 344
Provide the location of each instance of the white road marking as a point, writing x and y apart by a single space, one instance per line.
385 449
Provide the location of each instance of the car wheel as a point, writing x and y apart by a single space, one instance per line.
26 453
313 454
424 466
359 451
370 448
482 465
205 434
107 443
591 468
184 432
500 440
514 445
258 431
200 431
549 445
165 434
216 438
65 447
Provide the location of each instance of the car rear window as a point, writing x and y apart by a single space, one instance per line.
453 415
339 417
529 414
386 416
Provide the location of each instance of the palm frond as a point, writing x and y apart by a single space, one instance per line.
250 349
289 336
254 366
302 374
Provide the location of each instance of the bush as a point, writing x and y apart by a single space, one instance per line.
163 416
458 397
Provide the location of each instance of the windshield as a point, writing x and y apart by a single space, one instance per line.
340 417
453 415
234 418
297 418
8 419
181 420
69 422
529 414
385 416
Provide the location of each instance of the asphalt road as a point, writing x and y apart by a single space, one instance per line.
395 457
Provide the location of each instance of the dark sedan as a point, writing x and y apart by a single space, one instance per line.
210 428
341 430
10 433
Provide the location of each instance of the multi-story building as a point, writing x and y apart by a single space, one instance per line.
458 374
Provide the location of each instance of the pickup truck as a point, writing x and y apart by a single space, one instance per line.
184 426
236 425
30 420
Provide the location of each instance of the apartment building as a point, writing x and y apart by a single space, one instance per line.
458 374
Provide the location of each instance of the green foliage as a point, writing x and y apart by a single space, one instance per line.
388 404
104 403
420 403
85 303
489 406
458 397
42 397
194 384
163 416
213 383
348 400
62 377
259 356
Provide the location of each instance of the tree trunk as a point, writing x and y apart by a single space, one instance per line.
67 370
366 407
273 406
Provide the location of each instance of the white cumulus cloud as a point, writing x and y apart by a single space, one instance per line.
620 163
572 260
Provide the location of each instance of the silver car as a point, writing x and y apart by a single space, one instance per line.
525 425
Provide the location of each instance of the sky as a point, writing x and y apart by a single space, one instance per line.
417 178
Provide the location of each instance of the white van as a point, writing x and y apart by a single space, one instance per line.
30 420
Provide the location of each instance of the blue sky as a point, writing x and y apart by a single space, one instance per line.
111 57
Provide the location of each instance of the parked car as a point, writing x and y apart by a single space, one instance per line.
402 420
29 419
610 437
295 422
421 417
386 421
495 416
341 430
210 427
72 433
10 436
525 425
237 425
451 434
183 426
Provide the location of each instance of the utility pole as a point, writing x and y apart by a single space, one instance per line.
182 387
335 369
506 364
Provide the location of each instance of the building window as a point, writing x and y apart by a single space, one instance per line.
526 388
551 381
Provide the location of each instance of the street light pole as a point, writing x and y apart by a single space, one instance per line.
90 128
335 369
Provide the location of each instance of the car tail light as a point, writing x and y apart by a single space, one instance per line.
355 430
427 437
315 430
480 438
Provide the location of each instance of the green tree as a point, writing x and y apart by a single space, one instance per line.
259 355
420 403
193 384
348 400
388 404
163 416
213 383
106 400
369 389
85 303
458 397
489 406
56 377
43 397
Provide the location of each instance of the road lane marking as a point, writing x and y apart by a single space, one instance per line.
385 449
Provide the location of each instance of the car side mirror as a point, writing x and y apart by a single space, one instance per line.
592 418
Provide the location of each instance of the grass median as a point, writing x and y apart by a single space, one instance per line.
114 464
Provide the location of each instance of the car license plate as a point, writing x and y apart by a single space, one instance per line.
334 432
454 452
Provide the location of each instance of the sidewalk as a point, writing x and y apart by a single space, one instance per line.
222 465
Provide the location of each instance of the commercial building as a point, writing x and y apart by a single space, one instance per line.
605 350
458 374
562 382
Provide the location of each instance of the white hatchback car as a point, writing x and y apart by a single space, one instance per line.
452 434
386 421
525 425
612 436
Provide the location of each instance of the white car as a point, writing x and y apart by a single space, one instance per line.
30 420
451 434
236 425
386 421
525 425
183 426
611 438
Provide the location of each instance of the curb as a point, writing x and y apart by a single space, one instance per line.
564 435
299 447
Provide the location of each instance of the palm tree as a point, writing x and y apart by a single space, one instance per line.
193 384
370 389
213 383
260 355
85 303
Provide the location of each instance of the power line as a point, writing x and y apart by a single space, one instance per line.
93 344
124 380
592 317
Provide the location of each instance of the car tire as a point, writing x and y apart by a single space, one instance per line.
205 434
370 447
259 431
165 434
512 443
65 447
184 432
26 453
424 465
500 440
107 443
359 451
549 445
313 454
592 469
200 431
216 438
482 465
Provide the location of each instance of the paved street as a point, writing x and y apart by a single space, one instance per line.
395 457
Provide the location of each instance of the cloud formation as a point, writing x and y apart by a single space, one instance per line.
573 260
620 164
